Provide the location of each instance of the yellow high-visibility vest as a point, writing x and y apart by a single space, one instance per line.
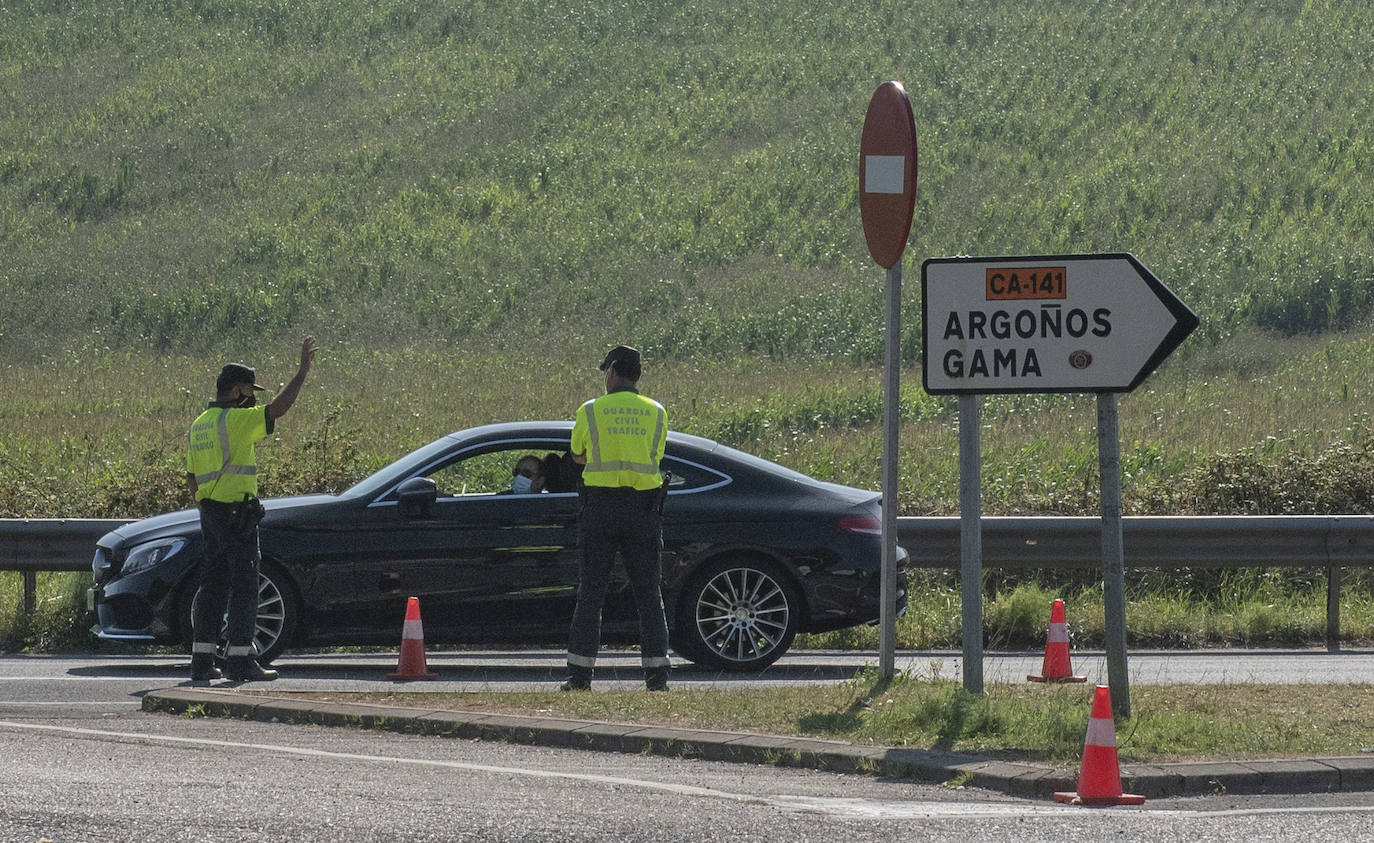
220 451
623 435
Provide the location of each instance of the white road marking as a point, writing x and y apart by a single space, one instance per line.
70 704
142 678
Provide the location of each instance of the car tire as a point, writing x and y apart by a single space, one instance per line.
737 615
278 613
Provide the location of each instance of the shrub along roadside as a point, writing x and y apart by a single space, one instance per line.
107 479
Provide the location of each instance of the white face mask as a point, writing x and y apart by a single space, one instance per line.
520 485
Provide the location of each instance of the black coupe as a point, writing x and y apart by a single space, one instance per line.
753 554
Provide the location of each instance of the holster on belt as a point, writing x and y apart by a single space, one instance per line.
250 512
662 497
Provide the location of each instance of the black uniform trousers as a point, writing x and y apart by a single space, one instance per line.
626 521
228 574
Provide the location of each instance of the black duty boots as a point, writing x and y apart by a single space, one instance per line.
579 679
203 667
247 669
656 679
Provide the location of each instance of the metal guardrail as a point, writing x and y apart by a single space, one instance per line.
30 545
1214 541
1332 542
1223 541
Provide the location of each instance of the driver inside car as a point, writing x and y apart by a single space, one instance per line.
528 476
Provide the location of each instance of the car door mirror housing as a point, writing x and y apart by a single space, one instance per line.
416 497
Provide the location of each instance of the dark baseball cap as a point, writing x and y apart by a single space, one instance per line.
234 374
625 360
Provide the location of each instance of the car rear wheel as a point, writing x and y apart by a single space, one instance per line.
737 615
278 611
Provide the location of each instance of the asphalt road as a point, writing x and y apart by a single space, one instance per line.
79 760
139 776
57 680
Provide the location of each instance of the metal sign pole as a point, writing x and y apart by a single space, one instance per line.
971 539
887 200
887 612
1113 553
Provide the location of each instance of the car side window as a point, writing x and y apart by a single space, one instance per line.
501 472
493 473
479 474
687 476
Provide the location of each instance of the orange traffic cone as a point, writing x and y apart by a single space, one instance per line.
1056 668
412 664
1099 777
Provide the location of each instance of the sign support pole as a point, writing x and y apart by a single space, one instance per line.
1113 553
971 538
1064 308
887 200
887 613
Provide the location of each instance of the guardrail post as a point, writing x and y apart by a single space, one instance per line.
30 592
1333 608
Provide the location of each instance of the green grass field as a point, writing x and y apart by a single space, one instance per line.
197 175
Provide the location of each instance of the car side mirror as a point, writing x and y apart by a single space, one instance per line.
416 497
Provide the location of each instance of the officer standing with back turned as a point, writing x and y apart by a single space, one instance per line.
221 472
619 438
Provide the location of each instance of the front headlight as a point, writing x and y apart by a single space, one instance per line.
146 556
100 565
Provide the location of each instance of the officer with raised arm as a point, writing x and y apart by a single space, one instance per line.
222 475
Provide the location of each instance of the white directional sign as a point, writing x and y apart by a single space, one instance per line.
1057 323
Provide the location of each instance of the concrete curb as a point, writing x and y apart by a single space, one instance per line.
1309 775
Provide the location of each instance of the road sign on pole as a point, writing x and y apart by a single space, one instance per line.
887 200
887 173
1057 323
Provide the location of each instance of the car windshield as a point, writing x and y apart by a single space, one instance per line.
406 465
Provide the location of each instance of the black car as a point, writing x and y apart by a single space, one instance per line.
753 554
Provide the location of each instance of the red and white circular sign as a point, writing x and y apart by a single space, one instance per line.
887 173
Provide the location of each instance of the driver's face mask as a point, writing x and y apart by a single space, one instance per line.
520 484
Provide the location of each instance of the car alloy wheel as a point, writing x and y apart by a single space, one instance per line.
740 616
277 612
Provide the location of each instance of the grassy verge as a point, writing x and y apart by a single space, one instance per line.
1020 722
1237 609
1165 609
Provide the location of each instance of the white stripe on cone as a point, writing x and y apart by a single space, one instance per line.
1100 733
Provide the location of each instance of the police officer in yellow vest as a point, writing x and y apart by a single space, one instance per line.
221 472
619 438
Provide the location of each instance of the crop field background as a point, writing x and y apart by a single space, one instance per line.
468 204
